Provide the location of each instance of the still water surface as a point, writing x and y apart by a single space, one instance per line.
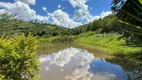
74 63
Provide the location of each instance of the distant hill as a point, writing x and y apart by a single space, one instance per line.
9 26
107 24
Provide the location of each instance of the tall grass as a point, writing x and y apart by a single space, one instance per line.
112 43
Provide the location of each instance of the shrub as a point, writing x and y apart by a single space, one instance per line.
18 58
63 39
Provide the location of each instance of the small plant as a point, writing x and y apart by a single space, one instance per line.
18 58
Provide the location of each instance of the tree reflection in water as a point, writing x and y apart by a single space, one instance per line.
132 64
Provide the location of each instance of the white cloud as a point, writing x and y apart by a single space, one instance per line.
21 10
104 14
44 8
79 3
59 6
3 11
28 1
62 19
41 19
82 13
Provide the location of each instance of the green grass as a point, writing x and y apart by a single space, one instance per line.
58 39
111 43
50 39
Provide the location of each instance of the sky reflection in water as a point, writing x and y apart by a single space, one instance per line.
76 64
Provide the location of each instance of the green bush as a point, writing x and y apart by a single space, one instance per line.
63 39
18 58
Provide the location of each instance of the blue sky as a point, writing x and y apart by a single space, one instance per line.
97 6
67 13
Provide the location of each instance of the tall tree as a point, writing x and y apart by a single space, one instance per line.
129 12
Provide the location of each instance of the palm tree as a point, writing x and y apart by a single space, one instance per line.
129 12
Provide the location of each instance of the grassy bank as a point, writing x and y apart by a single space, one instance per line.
58 39
112 43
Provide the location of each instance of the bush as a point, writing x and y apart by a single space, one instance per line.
63 39
17 58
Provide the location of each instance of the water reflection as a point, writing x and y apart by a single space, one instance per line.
131 63
77 64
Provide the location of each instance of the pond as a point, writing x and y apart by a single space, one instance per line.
74 62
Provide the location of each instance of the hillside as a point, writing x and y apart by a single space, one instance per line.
10 26
107 24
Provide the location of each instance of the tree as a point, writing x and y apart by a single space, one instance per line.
129 12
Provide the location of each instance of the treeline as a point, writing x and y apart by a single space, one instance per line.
10 26
109 24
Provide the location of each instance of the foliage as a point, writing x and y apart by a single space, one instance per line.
108 24
63 39
129 13
130 64
17 58
10 26
112 43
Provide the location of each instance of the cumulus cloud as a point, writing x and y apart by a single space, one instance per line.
59 6
82 13
104 14
28 1
79 3
21 10
41 19
61 18
3 11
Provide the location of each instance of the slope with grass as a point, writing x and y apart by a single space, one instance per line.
112 43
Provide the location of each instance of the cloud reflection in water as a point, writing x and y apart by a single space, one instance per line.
77 64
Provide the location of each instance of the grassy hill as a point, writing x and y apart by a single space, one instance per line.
13 26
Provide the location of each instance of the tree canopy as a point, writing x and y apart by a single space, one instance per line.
129 12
